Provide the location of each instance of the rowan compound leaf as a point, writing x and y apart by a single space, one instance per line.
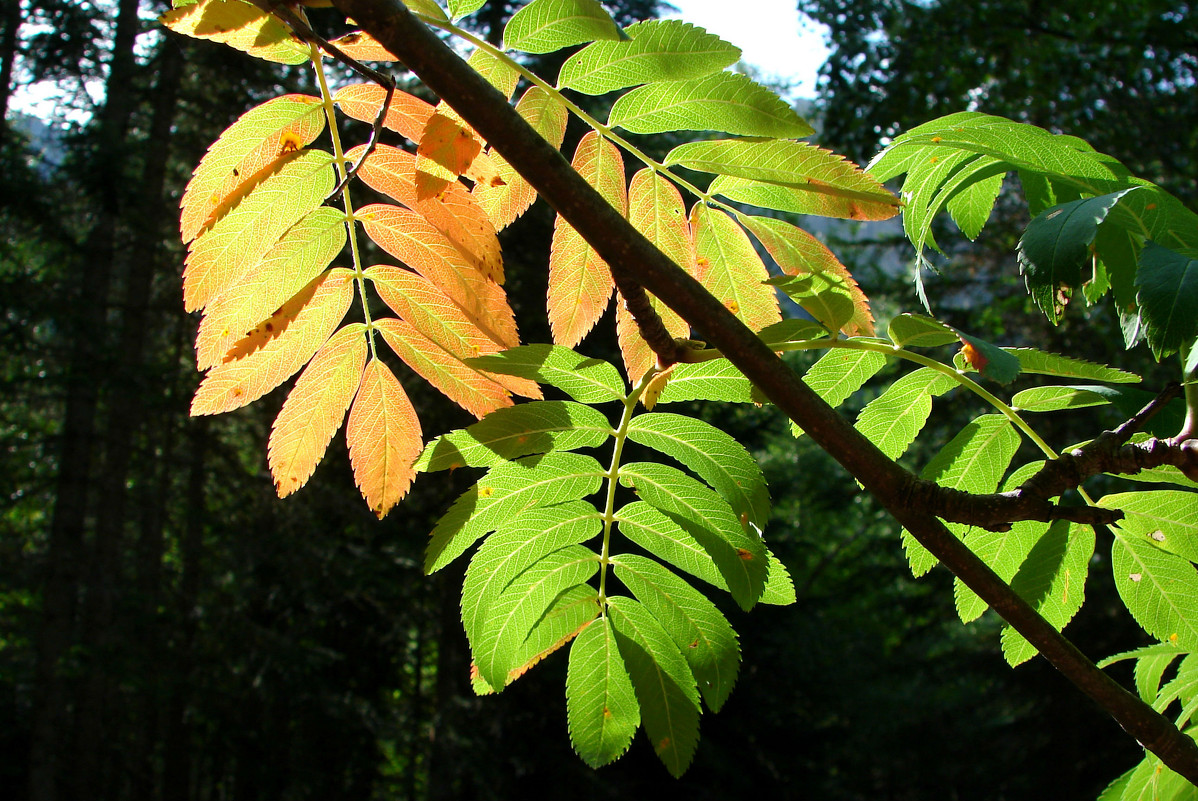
726 101
537 427
279 348
517 608
701 633
1167 519
729 267
601 707
407 113
246 153
657 50
453 212
543 26
410 238
240 25
584 379
894 419
299 256
384 438
841 305
665 687
315 409
239 240
1166 289
580 283
714 456
506 491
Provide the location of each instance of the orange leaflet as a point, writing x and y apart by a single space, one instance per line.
727 264
453 212
257 367
315 409
580 284
414 241
363 47
407 113
447 148
473 391
384 438
655 209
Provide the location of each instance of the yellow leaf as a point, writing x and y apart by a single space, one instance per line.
580 284
407 113
362 46
271 355
384 438
453 212
315 409
239 240
414 241
240 25
727 264
246 153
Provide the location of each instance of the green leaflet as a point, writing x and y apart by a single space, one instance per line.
839 373
514 547
826 296
659 50
714 456
601 706
739 555
665 687
1167 286
543 26
661 536
428 8
894 419
916 330
990 360
1003 552
1054 399
715 380
1148 674
584 379
241 25
1159 589
700 632
779 588
1151 780
1184 686
792 330
971 205
508 490
726 101
1043 363
515 610
536 427
460 8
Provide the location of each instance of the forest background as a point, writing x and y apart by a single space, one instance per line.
169 629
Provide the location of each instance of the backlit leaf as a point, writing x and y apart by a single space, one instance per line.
991 361
460 8
543 26
584 379
660 535
580 283
601 707
894 419
1053 399
315 408
384 438
839 373
240 25
716 380
446 150
658 50
919 331
1167 519
280 348
729 267
407 113
362 46
1041 362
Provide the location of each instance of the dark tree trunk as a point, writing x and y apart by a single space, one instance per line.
8 57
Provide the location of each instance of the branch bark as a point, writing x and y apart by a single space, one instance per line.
632 258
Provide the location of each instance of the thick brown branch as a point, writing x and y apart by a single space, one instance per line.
630 255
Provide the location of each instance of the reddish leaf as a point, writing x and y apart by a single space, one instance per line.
727 264
363 47
407 114
446 150
384 438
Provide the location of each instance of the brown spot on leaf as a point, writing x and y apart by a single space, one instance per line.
744 554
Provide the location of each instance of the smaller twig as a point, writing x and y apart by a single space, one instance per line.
668 350
375 129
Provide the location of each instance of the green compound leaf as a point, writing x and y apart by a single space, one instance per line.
1167 291
715 380
505 434
699 631
1158 588
514 611
919 331
726 101
661 536
514 547
1054 399
1167 519
1042 363
543 26
584 379
659 50
665 687
714 456
839 373
739 555
1057 246
894 419
601 706
1053 580
508 490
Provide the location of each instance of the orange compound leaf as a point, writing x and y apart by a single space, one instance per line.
362 46
407 113
304 252
799 253
239 240
727 264
316 408
655 209
414 241
246 153
453 212
264 360
473 391
384 438
447 149
509 197
580 284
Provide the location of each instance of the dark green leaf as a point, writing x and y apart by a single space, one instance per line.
1167 285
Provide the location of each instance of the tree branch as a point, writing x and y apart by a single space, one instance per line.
632 258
